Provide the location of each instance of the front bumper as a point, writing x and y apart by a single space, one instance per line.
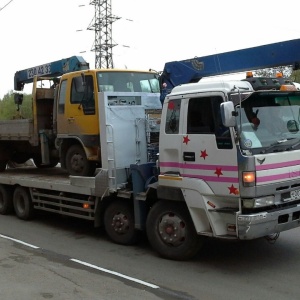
261 224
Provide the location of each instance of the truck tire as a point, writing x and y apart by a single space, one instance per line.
119 223
171 232
6 201
77 163
22 203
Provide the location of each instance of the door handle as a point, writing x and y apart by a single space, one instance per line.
189 156
71 120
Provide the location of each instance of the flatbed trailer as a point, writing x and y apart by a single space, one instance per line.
116 196
122 211
53 191
221 172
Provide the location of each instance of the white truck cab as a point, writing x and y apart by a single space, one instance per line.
237 178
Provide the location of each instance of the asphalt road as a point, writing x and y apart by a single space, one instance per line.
54 257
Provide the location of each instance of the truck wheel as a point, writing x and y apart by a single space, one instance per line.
119 223
22 203
171 232
6 202
77 163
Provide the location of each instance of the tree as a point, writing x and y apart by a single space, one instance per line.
271 72
295 77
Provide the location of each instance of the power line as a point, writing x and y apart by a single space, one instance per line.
6 5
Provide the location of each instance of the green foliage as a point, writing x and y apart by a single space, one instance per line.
8 108
295 77
26 109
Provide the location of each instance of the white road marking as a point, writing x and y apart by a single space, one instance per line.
18 241
115 273
153 286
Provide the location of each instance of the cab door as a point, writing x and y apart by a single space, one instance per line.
170 155
207 146
77 106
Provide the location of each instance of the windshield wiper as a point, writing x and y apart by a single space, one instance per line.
294 145
280 143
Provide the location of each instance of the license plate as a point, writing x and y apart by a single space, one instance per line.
295 195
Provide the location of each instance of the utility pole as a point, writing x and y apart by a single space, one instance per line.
102 26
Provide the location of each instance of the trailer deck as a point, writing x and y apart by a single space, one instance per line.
51 179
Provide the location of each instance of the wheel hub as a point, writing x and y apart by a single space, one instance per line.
77 162
120 223
172 230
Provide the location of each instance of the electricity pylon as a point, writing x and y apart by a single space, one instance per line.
102 26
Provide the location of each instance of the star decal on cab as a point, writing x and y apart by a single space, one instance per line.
233 190
203 154
186 139
171 105
218 172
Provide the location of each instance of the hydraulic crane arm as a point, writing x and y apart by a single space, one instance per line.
56 68
267 56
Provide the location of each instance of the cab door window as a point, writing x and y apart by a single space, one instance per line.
172 117
62 97
204 117
82 93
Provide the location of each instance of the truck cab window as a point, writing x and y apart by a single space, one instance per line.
120 81
200 116
173 115
62 97
82 93
88 102
204 117
77 90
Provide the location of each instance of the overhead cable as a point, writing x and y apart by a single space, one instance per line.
6 5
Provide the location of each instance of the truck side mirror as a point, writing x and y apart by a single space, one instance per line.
292 126
228 114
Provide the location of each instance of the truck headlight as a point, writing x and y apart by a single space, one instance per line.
258 202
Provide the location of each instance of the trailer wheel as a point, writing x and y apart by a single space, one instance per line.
77 163
171 232
119 223
22 203
6 202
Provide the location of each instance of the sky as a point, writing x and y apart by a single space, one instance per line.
148 33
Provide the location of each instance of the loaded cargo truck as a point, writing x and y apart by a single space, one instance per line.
222 170
65 123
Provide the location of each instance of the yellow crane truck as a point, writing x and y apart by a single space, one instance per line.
65 124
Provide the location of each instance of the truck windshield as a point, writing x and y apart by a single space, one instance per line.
269 122
126 81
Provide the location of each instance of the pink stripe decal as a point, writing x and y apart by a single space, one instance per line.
212 178
278 165
263 179
197 166
189 166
